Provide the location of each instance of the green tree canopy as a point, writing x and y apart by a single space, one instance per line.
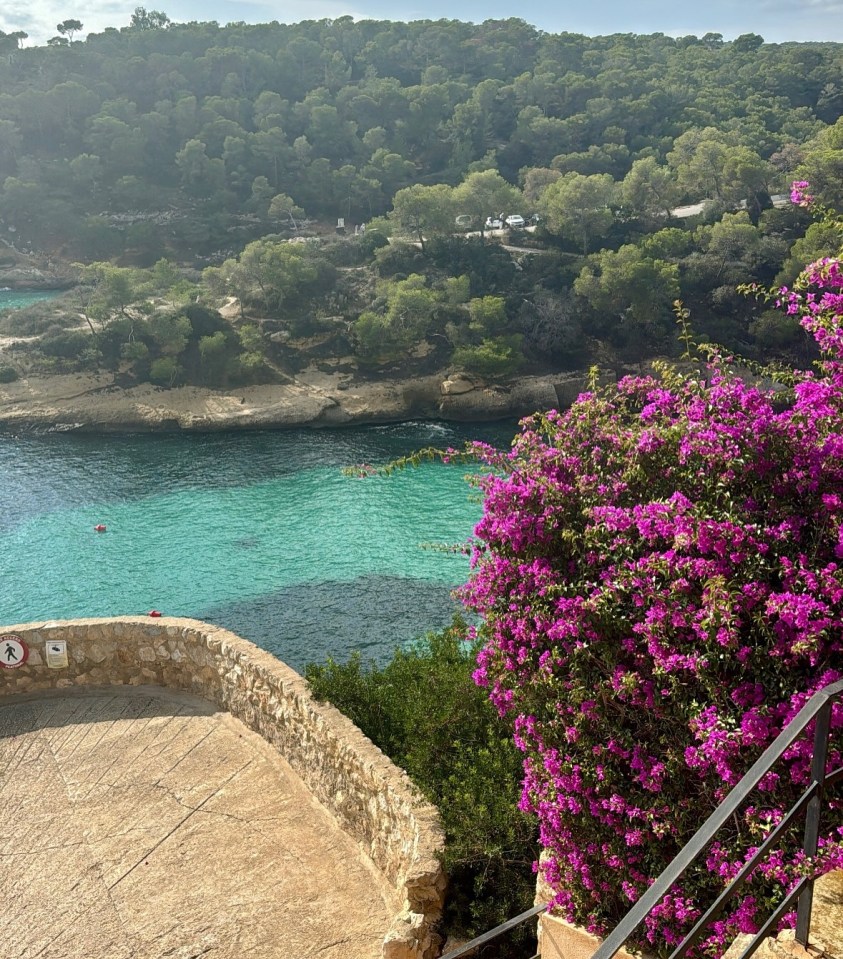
143 19
650 190
268 275
636 290
410 306
579 207
485 194
424 210
69 27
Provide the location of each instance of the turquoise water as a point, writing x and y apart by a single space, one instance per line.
259 532
15 299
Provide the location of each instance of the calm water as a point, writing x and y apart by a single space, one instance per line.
14 299
259 532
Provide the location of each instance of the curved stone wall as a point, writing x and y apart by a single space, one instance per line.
371 798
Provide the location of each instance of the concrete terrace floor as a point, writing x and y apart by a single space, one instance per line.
140 823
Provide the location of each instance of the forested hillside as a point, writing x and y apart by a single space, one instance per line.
213 146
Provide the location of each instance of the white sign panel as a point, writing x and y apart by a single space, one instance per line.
57 654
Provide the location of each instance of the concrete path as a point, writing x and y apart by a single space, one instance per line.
142 824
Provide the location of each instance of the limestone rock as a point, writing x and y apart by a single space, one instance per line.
457 384
335 397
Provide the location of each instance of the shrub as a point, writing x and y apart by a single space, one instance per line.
399 259
36 319
489 266
165 371
8 374
373 240
660 577
204 321
495 357
67 344
116 340
424 711
354 250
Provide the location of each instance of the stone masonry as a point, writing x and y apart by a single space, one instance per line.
372 800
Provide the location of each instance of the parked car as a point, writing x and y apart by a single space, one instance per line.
493 223
516 220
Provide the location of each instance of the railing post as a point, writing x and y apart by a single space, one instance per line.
818 709
812 819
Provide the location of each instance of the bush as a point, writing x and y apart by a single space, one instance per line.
67 344
113 338
425 712
661 585
399 259
165 371
204 321
8 374
355 250
489 266
495 357
36 319
373 240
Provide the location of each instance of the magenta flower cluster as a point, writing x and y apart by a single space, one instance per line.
659 576
799 193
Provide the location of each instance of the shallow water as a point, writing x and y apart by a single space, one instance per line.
15 299
259 532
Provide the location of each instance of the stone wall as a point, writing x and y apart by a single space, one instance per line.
371 798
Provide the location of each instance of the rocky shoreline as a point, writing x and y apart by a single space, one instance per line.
94 403
35 279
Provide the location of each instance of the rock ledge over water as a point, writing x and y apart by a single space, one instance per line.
93 403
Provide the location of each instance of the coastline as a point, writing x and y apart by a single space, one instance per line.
91 402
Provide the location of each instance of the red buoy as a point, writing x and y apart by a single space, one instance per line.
100 527
153 612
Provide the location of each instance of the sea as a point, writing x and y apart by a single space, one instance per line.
15 299
261 532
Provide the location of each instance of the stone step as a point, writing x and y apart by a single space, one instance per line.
826 938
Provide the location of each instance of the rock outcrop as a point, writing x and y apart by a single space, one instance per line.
94 403
23 277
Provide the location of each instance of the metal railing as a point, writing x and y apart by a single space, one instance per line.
817 708
810 803
469 947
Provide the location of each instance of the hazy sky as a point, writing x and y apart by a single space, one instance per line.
775 20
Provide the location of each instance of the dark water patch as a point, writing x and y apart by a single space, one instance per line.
246 542
311 621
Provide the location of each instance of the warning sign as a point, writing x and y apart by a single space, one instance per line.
57 654
13 651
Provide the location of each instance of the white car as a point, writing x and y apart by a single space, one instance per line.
516 220
493 223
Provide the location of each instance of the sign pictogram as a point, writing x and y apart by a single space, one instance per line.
13 651
56 653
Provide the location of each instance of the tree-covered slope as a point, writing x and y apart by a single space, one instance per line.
192 141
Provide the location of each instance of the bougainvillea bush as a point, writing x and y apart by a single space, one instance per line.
659 575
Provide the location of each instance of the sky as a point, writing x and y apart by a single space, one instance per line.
776 20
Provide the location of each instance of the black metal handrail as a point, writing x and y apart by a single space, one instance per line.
818 707
469 947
